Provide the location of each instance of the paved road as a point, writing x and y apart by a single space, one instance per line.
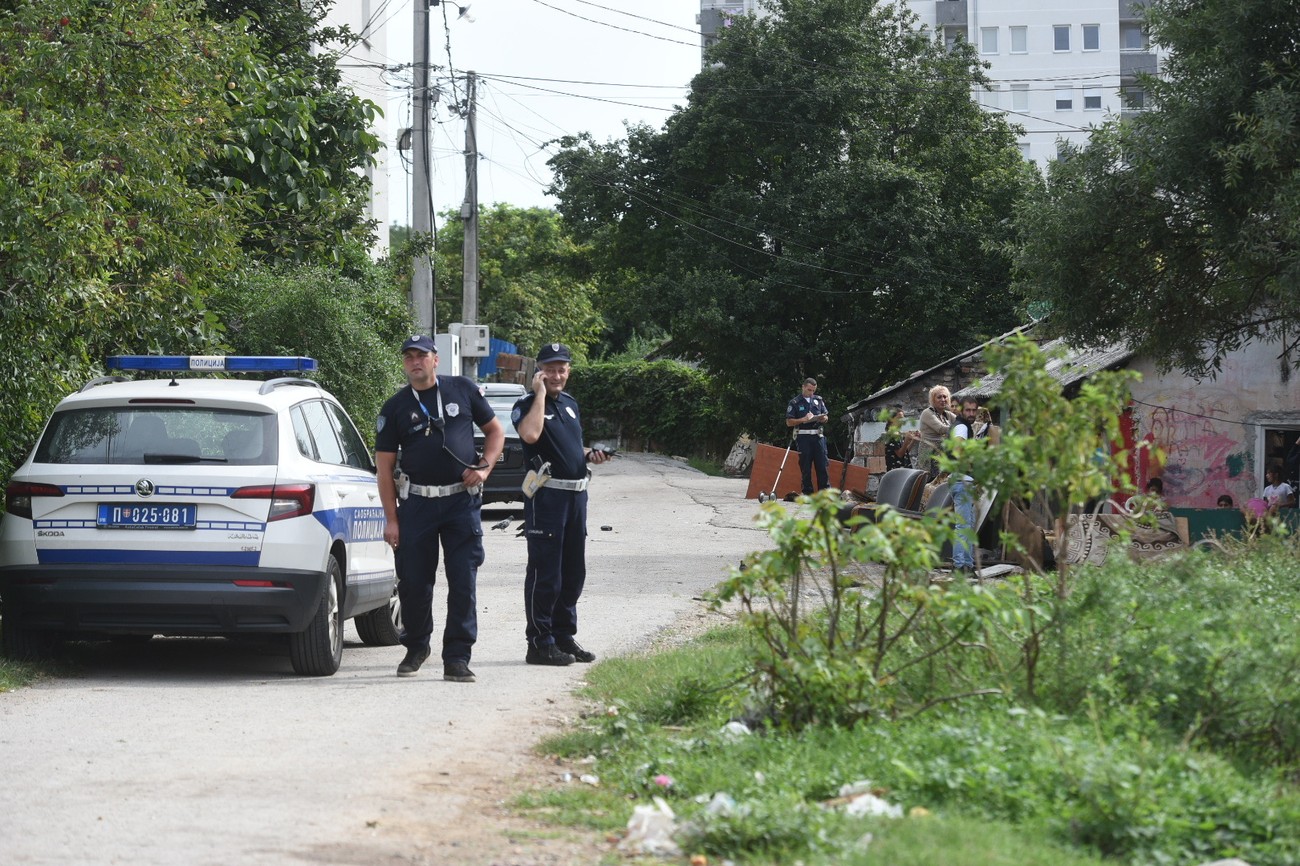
210 752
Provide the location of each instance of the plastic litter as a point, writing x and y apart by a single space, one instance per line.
650 831
588 779
607 528
735 730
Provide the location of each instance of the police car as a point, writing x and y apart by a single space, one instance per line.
198 506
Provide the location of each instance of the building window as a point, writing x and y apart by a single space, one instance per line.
1019 40
1020 97
988 40
992 98
1024 150
1092 99
953 35
1135 98
1061 37
1132 37
1065 99
1092 37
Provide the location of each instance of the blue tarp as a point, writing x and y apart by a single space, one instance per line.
488 366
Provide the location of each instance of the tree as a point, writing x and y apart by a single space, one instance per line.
299 138
106 111
1178 231
830 203
533 282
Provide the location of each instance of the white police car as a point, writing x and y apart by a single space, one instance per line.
198 506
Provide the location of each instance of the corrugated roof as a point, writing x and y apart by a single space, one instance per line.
921 374
1068 367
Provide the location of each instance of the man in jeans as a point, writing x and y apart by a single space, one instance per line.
963 492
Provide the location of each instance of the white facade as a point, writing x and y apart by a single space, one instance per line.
362 69
1057 68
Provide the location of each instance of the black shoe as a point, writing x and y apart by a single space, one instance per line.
411 664
574 649
457 672
549 654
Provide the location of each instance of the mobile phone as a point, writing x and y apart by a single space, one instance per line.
603 449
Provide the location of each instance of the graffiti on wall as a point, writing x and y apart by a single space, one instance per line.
1207 449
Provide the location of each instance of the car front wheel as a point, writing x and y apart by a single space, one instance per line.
317 650
383 625
24 644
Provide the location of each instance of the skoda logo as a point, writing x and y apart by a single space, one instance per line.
144 487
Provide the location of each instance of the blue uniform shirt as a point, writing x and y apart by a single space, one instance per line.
801 406
561 439
413 425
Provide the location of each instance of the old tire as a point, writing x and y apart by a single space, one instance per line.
383 625
317 650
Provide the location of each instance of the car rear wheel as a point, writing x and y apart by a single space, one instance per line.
24 644
317 650
383 625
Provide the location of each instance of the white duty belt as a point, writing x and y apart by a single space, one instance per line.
808 432
433 491
574 484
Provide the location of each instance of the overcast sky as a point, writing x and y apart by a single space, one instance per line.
546 68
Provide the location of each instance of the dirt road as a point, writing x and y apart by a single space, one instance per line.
210 752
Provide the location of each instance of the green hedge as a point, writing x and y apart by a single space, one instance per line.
663 406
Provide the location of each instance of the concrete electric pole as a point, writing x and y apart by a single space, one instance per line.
422 294
469 218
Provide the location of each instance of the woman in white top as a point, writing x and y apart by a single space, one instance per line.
936 419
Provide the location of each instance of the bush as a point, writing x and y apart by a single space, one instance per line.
668 406
352 325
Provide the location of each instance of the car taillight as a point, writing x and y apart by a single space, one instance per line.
18 496
287 500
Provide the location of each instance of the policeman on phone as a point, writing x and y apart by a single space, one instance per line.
555 514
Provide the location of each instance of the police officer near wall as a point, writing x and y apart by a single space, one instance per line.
555 516
435 497
807 413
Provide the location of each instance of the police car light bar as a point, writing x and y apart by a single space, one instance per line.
212 363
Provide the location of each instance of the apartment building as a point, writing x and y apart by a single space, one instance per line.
1056 67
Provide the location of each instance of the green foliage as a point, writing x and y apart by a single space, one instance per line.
830 650
106 112
1207 643
353 327
534 286
294 150
1107 780
1178 231
829 194
669 406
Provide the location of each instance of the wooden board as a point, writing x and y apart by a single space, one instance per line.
767 460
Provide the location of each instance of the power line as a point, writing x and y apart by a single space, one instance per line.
615 26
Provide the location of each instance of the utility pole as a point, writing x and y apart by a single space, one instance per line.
422 294
469 218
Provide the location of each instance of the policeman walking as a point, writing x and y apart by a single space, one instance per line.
436 497
807 413
555 515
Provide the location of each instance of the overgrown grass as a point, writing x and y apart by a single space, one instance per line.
1163 737
707 466
15 674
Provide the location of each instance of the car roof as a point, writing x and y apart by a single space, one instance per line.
502 389
232 393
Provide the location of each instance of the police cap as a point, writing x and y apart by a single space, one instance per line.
421 342
554 352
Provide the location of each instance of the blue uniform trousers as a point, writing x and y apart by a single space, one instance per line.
457 522
555 524
963 549
812 454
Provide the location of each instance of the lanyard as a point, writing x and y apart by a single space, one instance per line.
425 409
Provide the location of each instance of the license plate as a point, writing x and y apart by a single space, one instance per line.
145 516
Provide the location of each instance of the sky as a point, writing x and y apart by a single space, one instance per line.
546 68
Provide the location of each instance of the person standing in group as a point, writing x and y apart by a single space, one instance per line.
807 413
435 496
965 426
936 421
898 442
1277 493
555 515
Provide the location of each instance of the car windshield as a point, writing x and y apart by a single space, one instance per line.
502 406
156 434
